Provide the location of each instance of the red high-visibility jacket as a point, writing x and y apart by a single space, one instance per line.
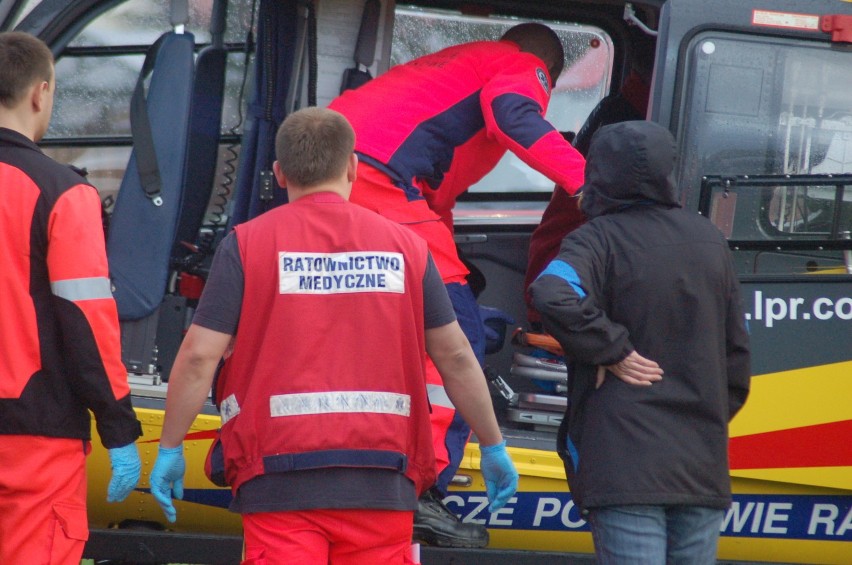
438 124
60 353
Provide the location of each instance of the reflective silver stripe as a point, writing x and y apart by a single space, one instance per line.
92 288
340 401
438 396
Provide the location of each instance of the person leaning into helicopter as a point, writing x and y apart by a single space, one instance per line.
425 132
325 419
60 352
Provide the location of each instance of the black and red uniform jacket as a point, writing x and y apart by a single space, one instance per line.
60 352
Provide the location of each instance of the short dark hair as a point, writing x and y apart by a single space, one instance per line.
24 61
541 41
313 145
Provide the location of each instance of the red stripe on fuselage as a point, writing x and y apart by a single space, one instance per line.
205 434
821 445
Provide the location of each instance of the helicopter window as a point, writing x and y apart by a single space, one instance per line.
761 106
96 74
140 22
765 106
808 210
804 221
793 207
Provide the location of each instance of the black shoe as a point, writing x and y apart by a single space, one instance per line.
435 524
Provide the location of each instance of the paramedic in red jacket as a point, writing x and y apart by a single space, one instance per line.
325 419
60 354
425 132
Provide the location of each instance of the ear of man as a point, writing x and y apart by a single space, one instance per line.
352 168
39 94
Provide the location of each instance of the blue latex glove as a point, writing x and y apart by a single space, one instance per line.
494 320
167 479
501 477
126 468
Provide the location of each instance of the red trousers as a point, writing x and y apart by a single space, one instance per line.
374 190
328 537
43 517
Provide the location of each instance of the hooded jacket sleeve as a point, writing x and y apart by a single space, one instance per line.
568 294
562 216
513 104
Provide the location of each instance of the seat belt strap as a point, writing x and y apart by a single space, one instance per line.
179 14
365 46
140 129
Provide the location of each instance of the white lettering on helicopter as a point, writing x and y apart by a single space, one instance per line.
824 517
827 518
751 514
771 310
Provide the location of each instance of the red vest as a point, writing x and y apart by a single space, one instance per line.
328 362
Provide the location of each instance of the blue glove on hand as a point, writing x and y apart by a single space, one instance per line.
501 477
167 479
126 468
494 320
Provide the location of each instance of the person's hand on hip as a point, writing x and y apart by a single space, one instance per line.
633 369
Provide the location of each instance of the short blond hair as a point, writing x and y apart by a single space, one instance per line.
313 146
24 61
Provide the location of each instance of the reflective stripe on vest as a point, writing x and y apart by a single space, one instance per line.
301 404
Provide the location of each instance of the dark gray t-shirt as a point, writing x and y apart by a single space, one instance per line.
219 310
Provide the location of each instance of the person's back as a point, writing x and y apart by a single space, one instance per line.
425 132
45 247
349 284
646 288
461 109
59 336
669 284
677 262
414 136
326 311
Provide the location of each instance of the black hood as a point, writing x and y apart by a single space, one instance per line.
629 162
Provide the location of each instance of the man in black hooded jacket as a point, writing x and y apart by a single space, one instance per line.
644 300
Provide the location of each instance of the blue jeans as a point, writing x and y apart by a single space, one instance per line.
655 535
